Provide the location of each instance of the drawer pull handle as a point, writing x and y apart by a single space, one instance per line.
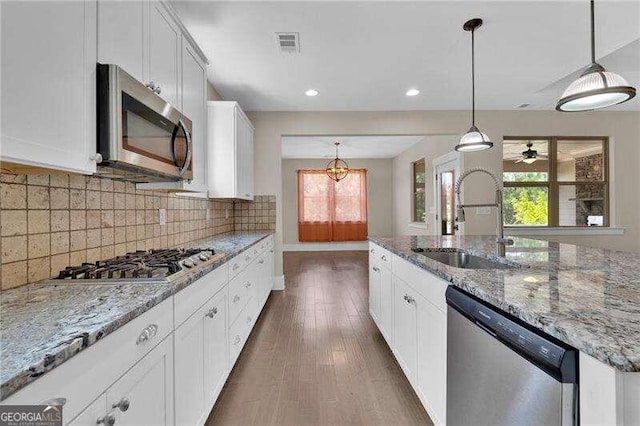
248 284
271 251
236 298
372 251
108 420
383 257
55 401
261 261
376 269
147 333
248 320
122 405
235 266
212 312
409 299
247 258
236 341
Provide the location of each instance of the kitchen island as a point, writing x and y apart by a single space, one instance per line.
587 298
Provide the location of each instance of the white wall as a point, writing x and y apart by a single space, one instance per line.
623 129
429 148
379 189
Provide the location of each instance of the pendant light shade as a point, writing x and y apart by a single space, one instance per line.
337 169
474 139
596 88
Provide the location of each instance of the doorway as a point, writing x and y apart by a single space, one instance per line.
447 171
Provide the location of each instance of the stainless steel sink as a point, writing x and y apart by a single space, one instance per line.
461 259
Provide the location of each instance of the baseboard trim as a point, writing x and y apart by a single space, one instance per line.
278 282
355 245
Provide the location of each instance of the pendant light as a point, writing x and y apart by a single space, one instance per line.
337 169
596 88
474 139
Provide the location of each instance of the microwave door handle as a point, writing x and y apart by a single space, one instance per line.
187 159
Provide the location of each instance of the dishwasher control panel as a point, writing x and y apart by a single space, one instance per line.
531 344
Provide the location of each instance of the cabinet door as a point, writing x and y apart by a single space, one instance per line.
386 305
123 28
48 68
432 359
405 345
249 161
164 53
90 415
374 291
193 106
148 386
215 348
190 370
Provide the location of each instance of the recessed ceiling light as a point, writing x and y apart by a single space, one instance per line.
311 92
413 92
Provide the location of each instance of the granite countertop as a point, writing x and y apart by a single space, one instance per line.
44 324
586 297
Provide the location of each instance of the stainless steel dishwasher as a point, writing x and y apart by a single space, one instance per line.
500 372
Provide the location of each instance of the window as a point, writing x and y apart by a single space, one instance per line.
329 210
555 181
418 200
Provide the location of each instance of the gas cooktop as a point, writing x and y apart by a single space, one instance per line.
139 265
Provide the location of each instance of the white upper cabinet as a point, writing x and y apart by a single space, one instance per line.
48 85
142 38
164 53
229 152
123 36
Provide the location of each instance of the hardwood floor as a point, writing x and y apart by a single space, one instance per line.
316 357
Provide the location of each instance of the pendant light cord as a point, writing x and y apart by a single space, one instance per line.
593 33
473 80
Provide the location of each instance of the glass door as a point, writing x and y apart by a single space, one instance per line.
446 182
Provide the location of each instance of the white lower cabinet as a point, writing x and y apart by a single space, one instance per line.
144 395
200 361
386 311
432 359
189 370
94 412
168 365
215 349
411 315
405 317
374 291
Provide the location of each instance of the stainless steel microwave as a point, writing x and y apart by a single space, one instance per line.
141 137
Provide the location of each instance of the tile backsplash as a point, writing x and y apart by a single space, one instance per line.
52 221
259 215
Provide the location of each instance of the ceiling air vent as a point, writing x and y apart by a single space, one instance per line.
288 42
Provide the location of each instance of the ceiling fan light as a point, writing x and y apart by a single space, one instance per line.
473 140
596 88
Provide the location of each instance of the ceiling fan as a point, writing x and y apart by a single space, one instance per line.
530 155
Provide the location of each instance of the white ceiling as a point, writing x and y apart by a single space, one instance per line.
365 55
351 147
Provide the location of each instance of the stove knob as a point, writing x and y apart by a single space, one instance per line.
203 256
188 263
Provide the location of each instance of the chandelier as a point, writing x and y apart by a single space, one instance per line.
337 169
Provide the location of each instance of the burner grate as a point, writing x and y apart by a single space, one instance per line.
138 264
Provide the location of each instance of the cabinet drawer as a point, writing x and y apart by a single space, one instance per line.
238 294
379 255
237 336
188 300
238 263
424 282
88 374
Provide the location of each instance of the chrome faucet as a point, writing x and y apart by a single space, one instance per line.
501 241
